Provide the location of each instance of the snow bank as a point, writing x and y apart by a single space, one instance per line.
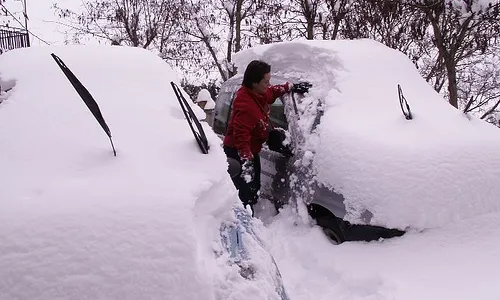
77 222
204 96
434 264
425 172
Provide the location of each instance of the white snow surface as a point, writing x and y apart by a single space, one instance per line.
457 261
439 167
77 222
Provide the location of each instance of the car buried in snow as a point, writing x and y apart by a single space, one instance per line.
366 162
282 180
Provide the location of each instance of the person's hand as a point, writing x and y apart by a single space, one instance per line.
247 170
245 154
301 87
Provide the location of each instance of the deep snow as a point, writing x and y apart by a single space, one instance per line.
457 261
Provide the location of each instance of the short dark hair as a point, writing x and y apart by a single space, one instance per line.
254 72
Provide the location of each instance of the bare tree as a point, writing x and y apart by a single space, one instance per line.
235 12
269 25
305 15
480 85
138 23
197 45
337 11
280 20
290 19
389 22
461 32
213 31
461 29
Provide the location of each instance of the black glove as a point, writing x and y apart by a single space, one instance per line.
233 167
301 87
247 170
275 142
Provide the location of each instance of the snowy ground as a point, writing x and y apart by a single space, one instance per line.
458 261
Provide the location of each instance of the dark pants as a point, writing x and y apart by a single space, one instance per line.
247 191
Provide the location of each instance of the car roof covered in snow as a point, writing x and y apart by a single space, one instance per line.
440 166
78 222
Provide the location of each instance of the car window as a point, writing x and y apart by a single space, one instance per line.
223 108
277 114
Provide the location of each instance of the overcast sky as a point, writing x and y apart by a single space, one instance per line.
41 19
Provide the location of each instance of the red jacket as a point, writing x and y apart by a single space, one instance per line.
249 122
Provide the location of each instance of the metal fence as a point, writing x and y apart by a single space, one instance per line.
12 38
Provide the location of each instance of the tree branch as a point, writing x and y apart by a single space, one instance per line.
491 110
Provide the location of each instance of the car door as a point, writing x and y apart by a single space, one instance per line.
274 182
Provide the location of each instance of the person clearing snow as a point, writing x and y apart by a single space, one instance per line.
248 128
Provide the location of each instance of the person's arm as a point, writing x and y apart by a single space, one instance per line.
278 91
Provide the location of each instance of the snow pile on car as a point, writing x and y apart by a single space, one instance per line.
425 172
76 222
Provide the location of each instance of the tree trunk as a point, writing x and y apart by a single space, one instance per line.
310 18
230 39
335 30
239 19
206 41
310 29
448 58
452 82
214 57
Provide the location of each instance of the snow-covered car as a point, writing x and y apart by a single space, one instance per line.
376 150
157 219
